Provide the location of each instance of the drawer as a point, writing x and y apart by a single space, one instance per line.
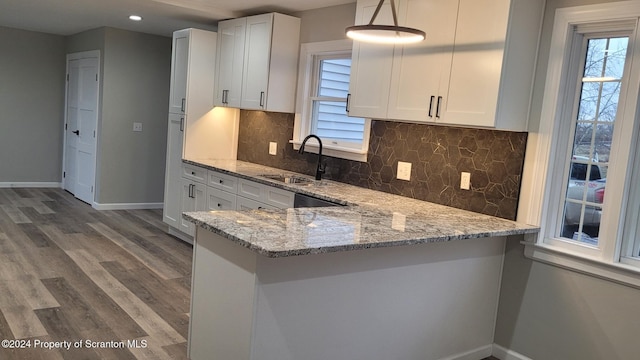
220 200
194 173
265 194
251 190
222 181
248 204
282 199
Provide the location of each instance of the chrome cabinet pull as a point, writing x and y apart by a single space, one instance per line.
77 132
431 106
261 98
183 104
438 107
182 124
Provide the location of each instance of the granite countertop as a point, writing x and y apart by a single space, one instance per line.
369 219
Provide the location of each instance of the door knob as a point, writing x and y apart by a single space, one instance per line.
77 132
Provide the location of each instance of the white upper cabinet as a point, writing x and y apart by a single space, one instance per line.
370 67
257 62
420 71
179 68
493 64
229 62
475 67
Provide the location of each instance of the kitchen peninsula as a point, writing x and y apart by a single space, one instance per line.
383 277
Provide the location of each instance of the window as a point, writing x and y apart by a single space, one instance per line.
593 119
325 68
586 149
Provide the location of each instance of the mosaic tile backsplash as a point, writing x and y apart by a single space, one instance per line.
438 155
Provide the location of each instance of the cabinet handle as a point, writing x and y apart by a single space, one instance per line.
261 98
183 103
221 181
259 207
219 205
193 173
225 96
346 108
431 106
191 190
438 107
77 132
182 124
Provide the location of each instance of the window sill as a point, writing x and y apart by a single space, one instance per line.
333 151
553 255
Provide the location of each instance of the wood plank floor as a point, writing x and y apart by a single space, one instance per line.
71 273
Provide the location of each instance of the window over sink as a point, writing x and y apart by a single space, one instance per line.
323 83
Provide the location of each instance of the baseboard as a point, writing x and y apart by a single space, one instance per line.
475 354
506 354
127 206
30 185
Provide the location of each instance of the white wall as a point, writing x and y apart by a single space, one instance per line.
32 69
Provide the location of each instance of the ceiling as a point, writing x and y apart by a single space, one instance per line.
161 17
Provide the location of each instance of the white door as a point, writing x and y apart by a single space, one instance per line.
81 125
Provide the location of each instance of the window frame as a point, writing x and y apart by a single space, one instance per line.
547 149
307 84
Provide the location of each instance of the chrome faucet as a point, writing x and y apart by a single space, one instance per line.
320 168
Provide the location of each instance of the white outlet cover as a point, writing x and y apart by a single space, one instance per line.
404 171
137 126
273 148
465 181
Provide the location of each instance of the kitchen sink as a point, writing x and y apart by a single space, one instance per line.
289 179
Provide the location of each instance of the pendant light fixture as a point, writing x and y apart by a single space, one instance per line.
385 34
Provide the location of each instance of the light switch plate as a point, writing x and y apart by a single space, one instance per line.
465 181
273 148
404 170
137 126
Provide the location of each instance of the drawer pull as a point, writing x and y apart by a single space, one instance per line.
193 173
221 181
219 205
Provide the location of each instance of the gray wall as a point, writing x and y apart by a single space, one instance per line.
32 68
135 70
135 88
552 313
327 23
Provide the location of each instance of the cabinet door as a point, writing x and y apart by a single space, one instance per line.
172 209
255 78
476 66
370 67
194 198
179 66
229 62
419 69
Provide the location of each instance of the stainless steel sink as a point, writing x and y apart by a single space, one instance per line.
288 179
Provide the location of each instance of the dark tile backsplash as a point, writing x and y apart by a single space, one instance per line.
438 154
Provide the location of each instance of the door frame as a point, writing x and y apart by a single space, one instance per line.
78 56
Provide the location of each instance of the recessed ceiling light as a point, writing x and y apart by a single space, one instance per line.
135 17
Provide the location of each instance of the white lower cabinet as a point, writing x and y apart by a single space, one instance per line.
220 199
193 198
226 192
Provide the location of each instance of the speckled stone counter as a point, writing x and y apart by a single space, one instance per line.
370 219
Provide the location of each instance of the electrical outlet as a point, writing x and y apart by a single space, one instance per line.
465 181
404 171
273 148
137 126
